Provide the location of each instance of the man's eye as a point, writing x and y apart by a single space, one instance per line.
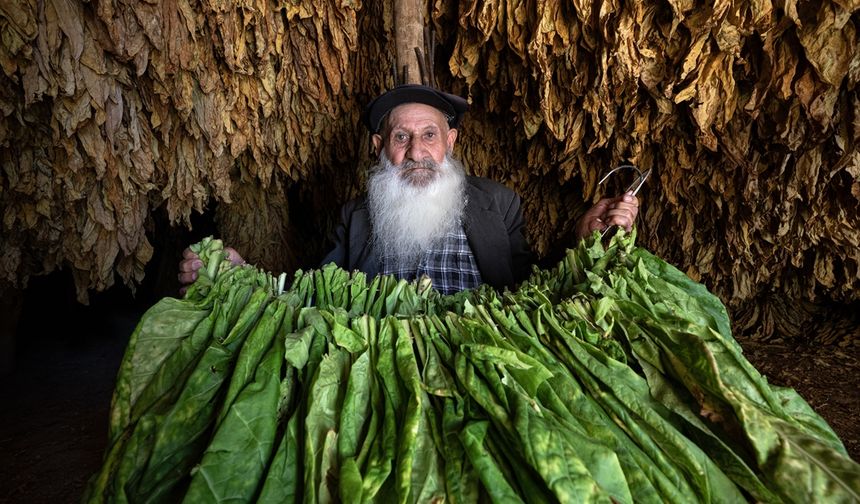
400 137
429 135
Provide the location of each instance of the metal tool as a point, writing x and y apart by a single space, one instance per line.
634 187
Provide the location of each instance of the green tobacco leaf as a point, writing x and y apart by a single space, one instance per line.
494 481
160 333
387 399
298 345
418 471
801 467
346 333
356 409
239 452
252 351
124 459
325 396
180 439
572 467
673 284
349 481
283 478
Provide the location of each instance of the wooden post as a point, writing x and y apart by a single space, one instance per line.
408 35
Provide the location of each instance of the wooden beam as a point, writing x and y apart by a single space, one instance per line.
408 34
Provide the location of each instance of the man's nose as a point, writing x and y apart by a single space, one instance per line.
413 150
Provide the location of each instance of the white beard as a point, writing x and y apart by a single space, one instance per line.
410 213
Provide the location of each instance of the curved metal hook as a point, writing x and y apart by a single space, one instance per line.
619 167
637 184
634 187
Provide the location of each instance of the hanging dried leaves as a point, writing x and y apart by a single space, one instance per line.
748 112
114 108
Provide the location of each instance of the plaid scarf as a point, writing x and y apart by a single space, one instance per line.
450 265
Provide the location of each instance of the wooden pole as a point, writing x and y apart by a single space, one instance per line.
408 35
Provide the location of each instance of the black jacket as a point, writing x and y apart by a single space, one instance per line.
492 220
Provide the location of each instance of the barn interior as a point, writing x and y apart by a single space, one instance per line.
132 129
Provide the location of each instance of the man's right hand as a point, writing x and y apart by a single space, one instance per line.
620 211
191 263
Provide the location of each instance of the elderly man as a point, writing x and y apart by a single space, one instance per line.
423 216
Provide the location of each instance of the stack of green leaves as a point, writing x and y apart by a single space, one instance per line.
609 378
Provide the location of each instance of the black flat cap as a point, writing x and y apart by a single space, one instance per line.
451 105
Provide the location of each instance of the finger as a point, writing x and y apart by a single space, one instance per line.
596 224
187 278
598 210
188 254
602 205
594 218
182 291
630 198
622 209
234 256
620 219
626 200
190 265
627 224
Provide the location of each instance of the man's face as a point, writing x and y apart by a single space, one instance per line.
415 133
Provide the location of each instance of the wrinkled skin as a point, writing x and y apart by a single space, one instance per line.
416 137
620 211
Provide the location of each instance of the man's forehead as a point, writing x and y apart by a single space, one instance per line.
416 114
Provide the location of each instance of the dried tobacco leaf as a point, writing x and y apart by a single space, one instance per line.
748 114
119 108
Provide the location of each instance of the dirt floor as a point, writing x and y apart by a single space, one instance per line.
54 412
827 377
54 406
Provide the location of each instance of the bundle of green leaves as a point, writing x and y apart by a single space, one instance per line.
610 378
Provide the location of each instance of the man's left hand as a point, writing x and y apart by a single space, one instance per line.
620 211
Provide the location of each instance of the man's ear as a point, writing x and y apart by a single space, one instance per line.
452 139
377 143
